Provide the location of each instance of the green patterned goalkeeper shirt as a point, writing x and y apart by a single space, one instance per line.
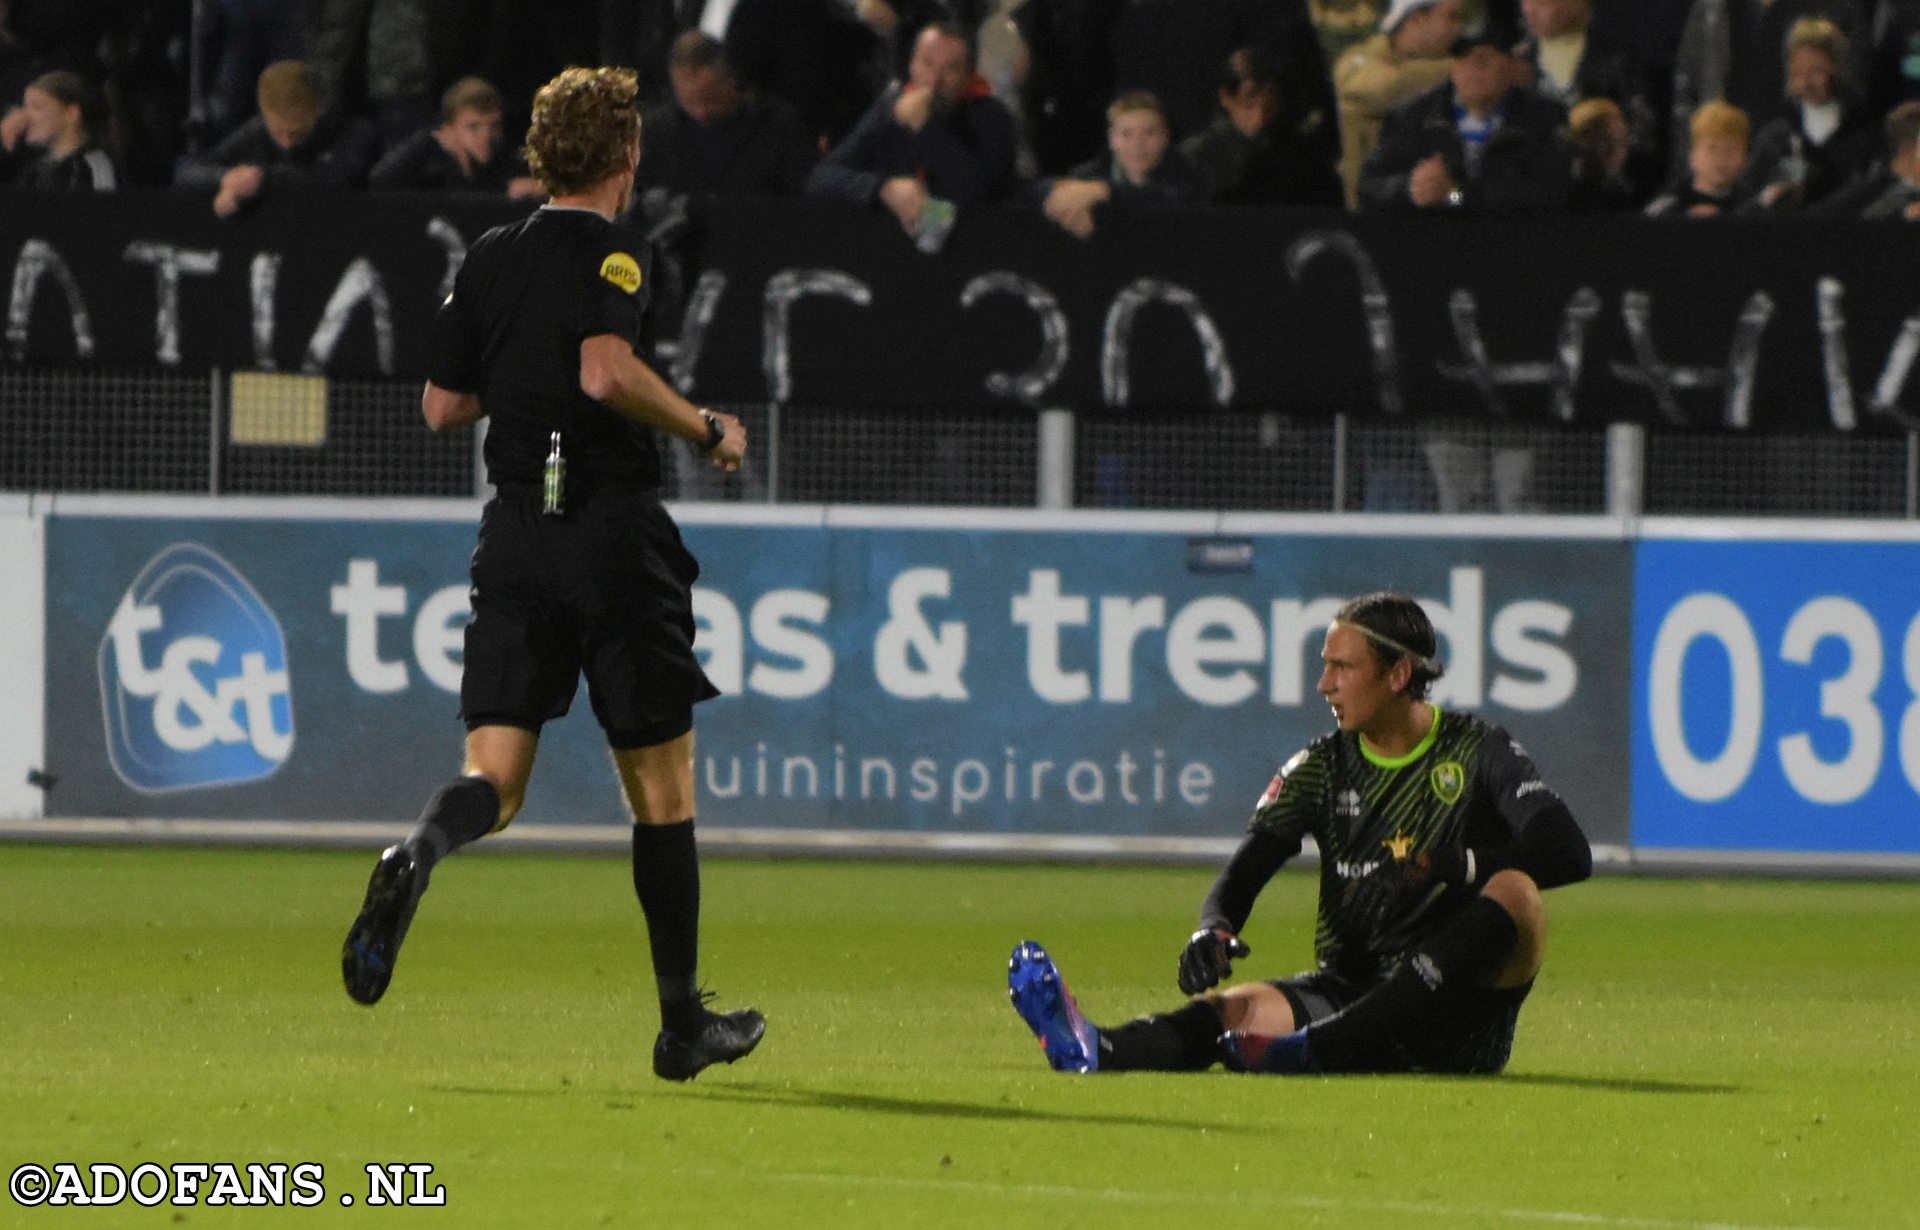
1467 784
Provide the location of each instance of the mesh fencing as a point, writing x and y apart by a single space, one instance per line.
306 435
85 430
1763 476
1226 461
906 457
1455 467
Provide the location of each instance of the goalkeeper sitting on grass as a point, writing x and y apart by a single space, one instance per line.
1436 837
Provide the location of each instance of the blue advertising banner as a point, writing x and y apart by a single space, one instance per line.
1777 696
985 680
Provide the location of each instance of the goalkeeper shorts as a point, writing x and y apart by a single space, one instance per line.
1472 1035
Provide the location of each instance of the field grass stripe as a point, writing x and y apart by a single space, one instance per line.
1119 1195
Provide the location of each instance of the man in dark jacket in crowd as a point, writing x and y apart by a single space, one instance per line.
717 139
940 136
1479 142
291 144
1259 150
463 153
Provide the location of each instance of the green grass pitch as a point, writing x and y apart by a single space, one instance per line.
1726 1054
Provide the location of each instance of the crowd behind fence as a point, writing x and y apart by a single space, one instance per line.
219 433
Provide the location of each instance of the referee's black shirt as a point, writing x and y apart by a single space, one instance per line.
529 293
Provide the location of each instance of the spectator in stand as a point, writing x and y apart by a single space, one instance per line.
1892 189
18 65
1734 50
293 144
1894 77
1254 152
1069 48
639 34
1823 139
1000 57
144 78
718 139
937 137
49 141
372 56
816 54
70 34
1602 141
1408 57
1176 49
1716 155
1139 170
1480 142
518 45
1343 24
896 24
462 154
238 38
1901 198
1572 61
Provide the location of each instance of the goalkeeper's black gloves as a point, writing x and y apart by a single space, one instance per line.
1208 957
1399 884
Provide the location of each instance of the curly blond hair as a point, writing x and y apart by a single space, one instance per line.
584 123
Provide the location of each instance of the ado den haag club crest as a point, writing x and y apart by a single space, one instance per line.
193 677
1449 779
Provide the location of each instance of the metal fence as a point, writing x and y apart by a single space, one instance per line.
249 433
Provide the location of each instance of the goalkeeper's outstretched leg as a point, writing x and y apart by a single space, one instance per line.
1450 1007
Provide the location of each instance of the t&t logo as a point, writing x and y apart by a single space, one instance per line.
193 677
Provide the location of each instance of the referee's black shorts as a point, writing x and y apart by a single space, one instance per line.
1474 1035
607 590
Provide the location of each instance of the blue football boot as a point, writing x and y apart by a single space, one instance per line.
1041 998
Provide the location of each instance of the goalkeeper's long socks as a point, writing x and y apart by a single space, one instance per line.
1467 952
1184 1040
666 878
462 811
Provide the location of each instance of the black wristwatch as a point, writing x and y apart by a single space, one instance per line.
716 432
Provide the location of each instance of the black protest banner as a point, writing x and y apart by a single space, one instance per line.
335 284
1734 324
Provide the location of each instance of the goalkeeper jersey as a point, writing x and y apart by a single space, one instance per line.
1466 784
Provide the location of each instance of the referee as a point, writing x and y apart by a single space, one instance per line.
578 566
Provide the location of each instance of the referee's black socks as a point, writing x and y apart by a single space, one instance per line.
666 878
462 811
1467 952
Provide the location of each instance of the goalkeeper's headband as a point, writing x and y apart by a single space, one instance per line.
1387 642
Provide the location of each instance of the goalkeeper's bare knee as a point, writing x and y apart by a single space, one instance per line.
1517 894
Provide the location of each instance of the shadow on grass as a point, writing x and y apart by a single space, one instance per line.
871 1103
1612 1084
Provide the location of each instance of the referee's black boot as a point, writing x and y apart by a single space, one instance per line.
723 1038
373 942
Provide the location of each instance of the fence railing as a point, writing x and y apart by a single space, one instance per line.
77 430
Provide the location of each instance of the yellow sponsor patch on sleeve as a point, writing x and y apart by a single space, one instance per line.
622 270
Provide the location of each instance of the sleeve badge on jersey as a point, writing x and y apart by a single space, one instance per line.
1279 781
622 270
